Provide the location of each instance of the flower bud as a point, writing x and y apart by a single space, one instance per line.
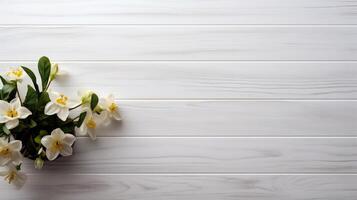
54 71
39 163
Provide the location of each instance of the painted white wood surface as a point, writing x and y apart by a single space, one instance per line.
207 155
226 99
179 43
178 12
183 187
209 80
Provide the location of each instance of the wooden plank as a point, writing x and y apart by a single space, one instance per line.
183 187
231 118
208 155
235 118
179 43
179 12
210 80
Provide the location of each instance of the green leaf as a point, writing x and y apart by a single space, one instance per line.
82 116
44 68
32 124
94 101
33 77
31 100
6 131
38 139
8 92
3 80
43 100
43 132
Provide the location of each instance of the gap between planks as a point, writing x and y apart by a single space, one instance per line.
175 25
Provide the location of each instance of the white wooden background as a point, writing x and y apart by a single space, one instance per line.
221 99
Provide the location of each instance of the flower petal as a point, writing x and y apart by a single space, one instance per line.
51 155
4 106
63 114
20 179
57 134
47 141
15 145
3 119
16 157
66 150
51 108
92 134
15 103
12 124
116 115
53 96
24 112
69 139
81 131
4 160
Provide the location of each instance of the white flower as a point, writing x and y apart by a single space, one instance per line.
110 108
59 104
58 143
90 123
15 74
13 176
10 152
10 113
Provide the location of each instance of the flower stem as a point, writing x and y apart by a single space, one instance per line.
48 85
18 93
75 107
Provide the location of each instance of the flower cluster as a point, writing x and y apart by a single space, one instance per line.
39 125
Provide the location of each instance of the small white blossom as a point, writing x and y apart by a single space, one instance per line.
59 104
90 123
110 108
15 74
58 143
10 152
13 176
10 113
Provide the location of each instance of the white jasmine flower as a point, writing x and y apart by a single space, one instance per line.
15 74
58 143
59 104
110 108
14 176
90 123
10 152
10 113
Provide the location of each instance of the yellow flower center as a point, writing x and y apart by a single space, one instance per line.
12 113
4 151
91 123
56 146
62 99
10 177
16 72
113 107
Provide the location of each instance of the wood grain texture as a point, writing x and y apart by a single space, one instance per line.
179 43
208 155
234 118
209 80
183 187
178 12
